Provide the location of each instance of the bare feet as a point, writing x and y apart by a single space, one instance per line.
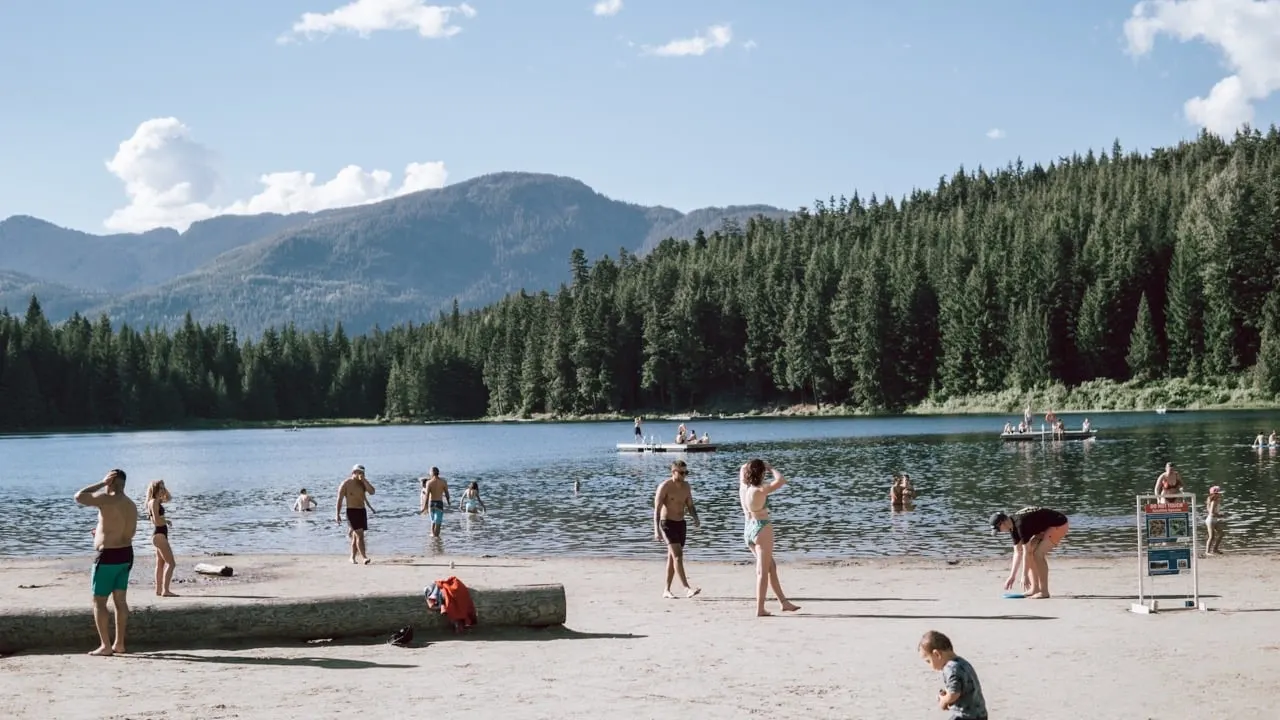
692 591
763 613
118 650
666 595
1039 596
168 593
102 651
789 607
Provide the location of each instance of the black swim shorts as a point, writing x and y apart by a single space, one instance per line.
675 531
358 518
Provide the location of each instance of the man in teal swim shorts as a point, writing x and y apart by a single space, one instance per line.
113 539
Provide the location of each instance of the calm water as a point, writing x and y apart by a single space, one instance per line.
233 489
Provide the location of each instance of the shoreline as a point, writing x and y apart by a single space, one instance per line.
794 412
624 651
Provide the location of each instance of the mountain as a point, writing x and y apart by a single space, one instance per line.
124 262
58 301
403 259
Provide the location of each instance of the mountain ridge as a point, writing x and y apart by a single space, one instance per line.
399 259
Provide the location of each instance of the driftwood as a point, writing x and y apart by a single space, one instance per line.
207 569
182 622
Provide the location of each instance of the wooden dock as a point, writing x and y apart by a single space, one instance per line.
1049 435
666 447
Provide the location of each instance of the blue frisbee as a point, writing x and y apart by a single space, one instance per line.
1014 596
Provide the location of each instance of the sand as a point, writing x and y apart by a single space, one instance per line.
849 653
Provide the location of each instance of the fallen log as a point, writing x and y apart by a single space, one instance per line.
184 621
207 569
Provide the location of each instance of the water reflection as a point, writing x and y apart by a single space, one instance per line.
554 489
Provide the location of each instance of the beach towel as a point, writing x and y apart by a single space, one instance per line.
453 599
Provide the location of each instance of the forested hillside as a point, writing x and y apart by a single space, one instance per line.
1097 266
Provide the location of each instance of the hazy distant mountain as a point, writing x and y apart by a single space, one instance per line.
397 260
57 301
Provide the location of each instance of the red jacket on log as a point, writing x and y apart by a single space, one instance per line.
455 602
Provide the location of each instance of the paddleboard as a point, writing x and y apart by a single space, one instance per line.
1014 596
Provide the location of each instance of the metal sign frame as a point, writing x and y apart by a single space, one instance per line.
1169 524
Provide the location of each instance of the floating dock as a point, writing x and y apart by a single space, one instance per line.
1049 435
666 447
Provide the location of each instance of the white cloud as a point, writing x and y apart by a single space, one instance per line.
716 37
606 8
995 133
365 17
750 45
1246 31
170 180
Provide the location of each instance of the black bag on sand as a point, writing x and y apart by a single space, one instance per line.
402 637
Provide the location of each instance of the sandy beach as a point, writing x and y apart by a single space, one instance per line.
626 653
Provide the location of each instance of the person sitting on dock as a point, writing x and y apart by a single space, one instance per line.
682 435
1084 426
1168 484
1059 429
706 439
1008 428
673 498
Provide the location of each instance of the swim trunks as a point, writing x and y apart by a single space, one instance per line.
358 518
111 570
437 512
676 531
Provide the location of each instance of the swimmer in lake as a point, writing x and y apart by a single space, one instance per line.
901 494
304 503
471 502
1168 484
435 497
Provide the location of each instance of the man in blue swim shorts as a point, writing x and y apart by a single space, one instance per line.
435 496
113 539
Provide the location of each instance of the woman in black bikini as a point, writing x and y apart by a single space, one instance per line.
157 494
1035 532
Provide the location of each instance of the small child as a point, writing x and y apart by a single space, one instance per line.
1214 522
962 693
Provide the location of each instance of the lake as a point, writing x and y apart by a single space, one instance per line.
233 489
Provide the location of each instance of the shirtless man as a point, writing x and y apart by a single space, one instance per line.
1169 483
673 498
435 496
354 491
113 539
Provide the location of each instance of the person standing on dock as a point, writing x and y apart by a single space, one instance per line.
639 432
672 500
113 539
354 491
435 496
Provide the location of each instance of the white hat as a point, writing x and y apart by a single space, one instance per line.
358 469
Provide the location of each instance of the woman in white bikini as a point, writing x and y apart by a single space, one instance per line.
1215 522
753 496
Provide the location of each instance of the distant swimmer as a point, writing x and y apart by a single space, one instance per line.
757 532
1215 521
157 495
1035 532
672 500
435 496
1260 441
355 491
113 539
1272 440
304 503
471 502
1169 483
901 493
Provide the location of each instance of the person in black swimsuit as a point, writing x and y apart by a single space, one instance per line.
1035 532
157 495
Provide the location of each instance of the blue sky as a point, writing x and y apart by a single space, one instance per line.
795 105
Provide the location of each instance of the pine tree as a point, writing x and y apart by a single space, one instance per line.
1144 352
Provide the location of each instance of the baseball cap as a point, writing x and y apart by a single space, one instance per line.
996 519
1215 490
358 468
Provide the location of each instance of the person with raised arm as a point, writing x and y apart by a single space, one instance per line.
757 533
113 539
355 491
157 496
